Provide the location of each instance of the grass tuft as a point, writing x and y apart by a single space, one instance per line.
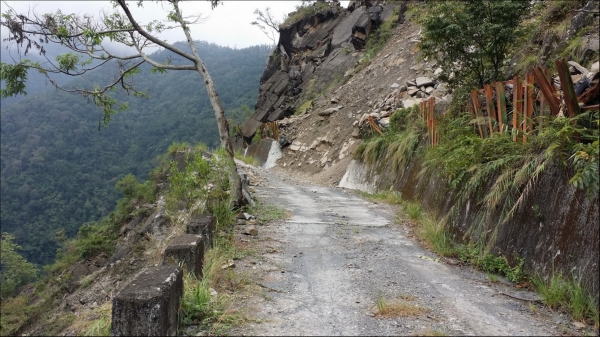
397 308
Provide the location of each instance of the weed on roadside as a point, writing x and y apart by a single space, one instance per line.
267 213
389 197
397 308
563 292
430 332
413 210
246 159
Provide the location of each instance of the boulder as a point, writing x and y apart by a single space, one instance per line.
413 92
385 122
361 32
423 81
343 32
250 127
330 111
580 69
408 103
251 230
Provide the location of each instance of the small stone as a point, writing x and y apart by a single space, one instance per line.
334 100
595 67
385 122
394 85
438 71
579 325
212 292
251 230
241 222
228 265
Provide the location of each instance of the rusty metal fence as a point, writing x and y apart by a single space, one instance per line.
513 106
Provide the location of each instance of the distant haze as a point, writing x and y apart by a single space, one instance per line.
227 25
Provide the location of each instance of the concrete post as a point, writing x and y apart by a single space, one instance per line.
148 305
188 248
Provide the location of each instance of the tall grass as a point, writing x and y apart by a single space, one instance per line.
559 291
397 147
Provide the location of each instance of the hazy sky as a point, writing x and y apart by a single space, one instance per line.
226 25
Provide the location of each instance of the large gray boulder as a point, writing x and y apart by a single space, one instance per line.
343 32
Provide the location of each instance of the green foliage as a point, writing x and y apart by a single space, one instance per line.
435 232
68 62
390 197
508 170
15 312
470 37
15 271
379 38
413 209
585 162
490 263
246 159
266 212
305 10
303 108
15 76
55 160
397 146
560 291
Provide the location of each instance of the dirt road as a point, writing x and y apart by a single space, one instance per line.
323 270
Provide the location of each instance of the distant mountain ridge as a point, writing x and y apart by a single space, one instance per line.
58 170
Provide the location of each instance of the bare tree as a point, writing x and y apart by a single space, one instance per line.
84 36
266 23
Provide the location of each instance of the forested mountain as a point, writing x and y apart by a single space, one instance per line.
58 169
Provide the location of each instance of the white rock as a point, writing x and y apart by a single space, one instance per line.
438 71
394 85
595 67
423 81
407 103
385 122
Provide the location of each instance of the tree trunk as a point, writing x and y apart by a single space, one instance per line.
235 183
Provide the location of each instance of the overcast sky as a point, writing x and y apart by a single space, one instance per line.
226 25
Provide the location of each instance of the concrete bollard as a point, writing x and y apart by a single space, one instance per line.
204 224
148 305
188 248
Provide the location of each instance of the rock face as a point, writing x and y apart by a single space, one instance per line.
312 53
148 305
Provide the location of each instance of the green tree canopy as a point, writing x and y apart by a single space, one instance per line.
14 269
473 37
84 35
